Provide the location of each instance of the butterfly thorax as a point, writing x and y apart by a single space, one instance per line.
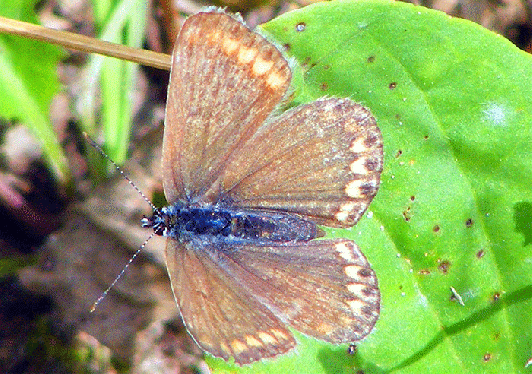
214 223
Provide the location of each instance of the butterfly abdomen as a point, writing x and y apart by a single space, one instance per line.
271 227
214 223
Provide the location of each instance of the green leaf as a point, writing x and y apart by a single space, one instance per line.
453 101
29 81
121 22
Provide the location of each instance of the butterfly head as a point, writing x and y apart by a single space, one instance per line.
158 221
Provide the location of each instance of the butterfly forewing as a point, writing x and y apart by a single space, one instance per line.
219 313
321 160
225 81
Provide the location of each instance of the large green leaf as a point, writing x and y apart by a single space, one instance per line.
454 103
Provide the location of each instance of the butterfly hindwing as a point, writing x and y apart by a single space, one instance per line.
321 160
323 288
236 300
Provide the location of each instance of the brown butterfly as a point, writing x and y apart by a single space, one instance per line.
247 190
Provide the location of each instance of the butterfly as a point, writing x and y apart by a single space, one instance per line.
247 190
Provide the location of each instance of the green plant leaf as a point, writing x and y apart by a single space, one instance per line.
453 101
122 22
29 80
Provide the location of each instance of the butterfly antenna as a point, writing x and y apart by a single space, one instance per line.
101 151
118 168
104 294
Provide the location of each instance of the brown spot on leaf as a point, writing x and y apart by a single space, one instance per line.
480 254
469 222
444 266
436 228
406 214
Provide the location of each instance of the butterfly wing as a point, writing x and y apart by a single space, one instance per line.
222 316
322 160
236 301
224 82
323 288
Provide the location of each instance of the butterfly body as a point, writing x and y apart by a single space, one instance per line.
229 226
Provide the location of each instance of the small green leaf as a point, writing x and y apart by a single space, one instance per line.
29 81
121 22
453 101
